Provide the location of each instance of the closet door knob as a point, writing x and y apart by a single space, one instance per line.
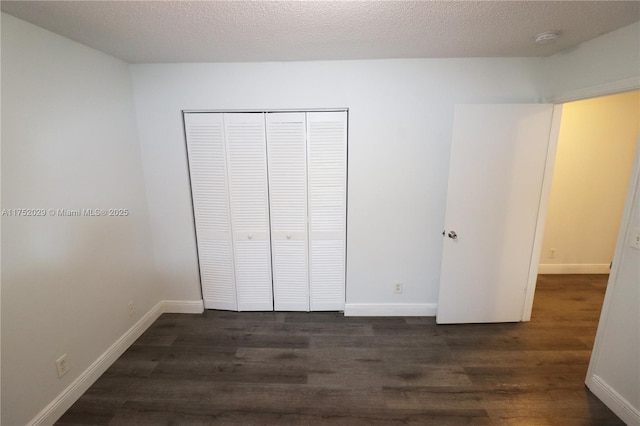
250 236
288 236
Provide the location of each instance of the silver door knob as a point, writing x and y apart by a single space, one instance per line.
288 236
250 236
453 235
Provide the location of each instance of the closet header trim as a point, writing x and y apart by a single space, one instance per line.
191 111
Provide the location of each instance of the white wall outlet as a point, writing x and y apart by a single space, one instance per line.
552 253
397 287
635 239
132 309
62 366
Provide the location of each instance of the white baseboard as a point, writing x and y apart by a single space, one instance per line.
67 397
573 268
612 399
56 408
183 306
390 309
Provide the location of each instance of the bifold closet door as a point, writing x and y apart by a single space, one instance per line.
286 151
269 194
327 198
208 172
249 201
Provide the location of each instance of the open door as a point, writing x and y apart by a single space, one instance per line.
496 172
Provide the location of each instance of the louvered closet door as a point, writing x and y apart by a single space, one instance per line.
286 151
247 166
327 175
206 150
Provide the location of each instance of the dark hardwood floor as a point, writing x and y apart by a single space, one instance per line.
228 368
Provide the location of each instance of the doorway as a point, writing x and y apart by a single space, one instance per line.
594 159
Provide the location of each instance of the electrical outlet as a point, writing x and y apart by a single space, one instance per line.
635 239
132 309
397 287
552 253
61 366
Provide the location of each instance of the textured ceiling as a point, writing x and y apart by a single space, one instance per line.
231 31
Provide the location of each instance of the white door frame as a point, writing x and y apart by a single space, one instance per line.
545 193
588 93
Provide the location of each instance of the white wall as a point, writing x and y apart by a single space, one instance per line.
596 145
400 117
614 371
69 140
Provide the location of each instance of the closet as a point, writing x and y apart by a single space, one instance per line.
269 201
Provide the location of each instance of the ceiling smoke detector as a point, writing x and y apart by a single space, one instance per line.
546 37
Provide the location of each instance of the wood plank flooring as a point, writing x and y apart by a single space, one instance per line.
227 368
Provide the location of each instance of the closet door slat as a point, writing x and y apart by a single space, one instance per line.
286 150
327 179
247 167
207 169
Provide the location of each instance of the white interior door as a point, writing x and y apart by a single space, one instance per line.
287 158
207 169
249 201
327 175
496 173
